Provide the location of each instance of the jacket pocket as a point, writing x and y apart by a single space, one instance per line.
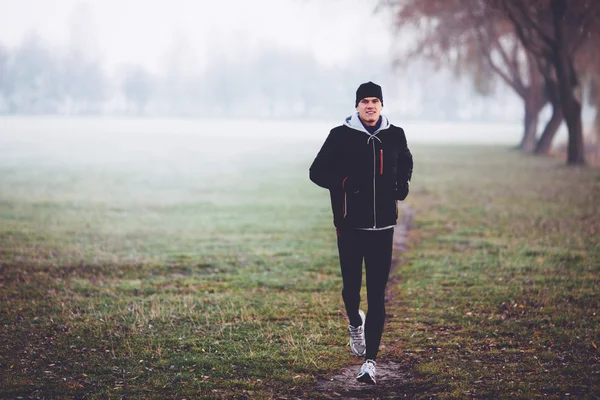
359 209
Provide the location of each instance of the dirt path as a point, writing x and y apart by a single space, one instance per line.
392 377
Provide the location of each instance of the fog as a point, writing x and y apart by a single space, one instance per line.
262 59
153 160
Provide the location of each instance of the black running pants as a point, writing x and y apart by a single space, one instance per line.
375 247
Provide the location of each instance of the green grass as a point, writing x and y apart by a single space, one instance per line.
160 278
499 295
163 284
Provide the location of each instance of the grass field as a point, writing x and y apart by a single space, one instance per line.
160 269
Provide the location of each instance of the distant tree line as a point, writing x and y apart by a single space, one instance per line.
36 78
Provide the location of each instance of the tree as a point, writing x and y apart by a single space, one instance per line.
544 144
34 71
5 79
138 86
554 31
471 36
83 84
591 60
82 78
505 55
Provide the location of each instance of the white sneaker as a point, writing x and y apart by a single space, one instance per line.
367 372
357 337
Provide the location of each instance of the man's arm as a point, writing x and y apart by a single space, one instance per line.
404 169
325 169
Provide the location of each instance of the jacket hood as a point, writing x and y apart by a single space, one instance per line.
353 121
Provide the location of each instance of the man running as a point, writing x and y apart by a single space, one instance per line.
367 166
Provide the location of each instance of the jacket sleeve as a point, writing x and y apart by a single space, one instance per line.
404 170
404 173
325 169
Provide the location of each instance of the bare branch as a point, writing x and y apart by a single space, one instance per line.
530 22
590 16
528 42
486 48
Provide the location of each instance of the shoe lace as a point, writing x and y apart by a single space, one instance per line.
369 367
356 334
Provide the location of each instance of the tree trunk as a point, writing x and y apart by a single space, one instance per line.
530 122
544 145
597 131
576 150
567 82
535 98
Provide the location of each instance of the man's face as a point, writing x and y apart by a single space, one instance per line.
369 110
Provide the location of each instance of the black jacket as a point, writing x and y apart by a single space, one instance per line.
365 174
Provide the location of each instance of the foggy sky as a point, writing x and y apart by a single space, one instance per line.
142 32
237 58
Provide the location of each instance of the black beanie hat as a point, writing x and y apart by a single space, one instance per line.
368 89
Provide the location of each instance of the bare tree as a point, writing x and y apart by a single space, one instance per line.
138 86
472 36
554 31
591 60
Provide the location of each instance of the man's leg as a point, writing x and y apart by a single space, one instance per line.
351 258
378 260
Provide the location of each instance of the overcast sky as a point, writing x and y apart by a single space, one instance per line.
141 31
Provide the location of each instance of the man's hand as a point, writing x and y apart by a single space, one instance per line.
401 191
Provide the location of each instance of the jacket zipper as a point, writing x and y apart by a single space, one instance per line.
345 205
381 162
374 175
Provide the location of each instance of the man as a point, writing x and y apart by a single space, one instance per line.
366 165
